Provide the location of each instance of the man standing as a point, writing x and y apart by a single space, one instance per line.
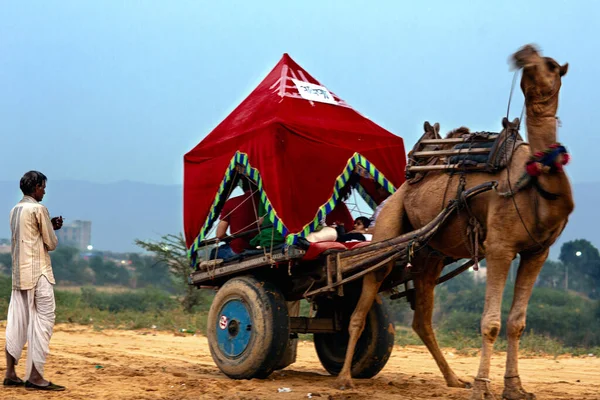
31 310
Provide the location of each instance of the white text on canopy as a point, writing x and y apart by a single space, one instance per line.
310 91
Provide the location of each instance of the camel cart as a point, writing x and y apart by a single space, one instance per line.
250 329
303 147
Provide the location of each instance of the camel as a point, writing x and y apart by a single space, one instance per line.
526 223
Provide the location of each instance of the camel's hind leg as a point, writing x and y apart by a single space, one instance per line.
429 269
370 288
388 225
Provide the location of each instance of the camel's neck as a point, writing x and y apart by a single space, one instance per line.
541 126
541 133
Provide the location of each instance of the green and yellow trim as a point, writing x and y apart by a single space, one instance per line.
340 182
241 159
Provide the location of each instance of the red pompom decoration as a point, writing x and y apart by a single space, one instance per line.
533 169
565 158
554 146
539 154
558 166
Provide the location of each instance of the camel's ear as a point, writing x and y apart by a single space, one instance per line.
506 124
436 127
564 69
427 126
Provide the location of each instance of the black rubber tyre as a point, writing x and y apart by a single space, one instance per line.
248 328
289 356
373 348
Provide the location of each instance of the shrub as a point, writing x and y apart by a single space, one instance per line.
148 299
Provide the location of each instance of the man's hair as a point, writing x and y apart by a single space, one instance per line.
30 180
363 220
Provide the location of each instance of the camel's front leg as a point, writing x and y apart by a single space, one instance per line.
370 287
498 264
430 269
529 269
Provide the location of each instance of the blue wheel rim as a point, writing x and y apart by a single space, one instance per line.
234 328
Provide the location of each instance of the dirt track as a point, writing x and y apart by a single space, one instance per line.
150 365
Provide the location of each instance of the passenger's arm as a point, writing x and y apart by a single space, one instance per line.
222 229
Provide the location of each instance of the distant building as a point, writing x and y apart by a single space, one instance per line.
77 234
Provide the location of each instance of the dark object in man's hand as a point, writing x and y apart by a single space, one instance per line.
57 222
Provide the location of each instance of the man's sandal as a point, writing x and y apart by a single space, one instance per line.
50 387
11 383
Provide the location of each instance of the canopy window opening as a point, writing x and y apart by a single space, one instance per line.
244 217
258 233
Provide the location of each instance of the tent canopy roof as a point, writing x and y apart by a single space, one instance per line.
298 141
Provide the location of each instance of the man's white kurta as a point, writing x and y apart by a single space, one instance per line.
31 311
32 238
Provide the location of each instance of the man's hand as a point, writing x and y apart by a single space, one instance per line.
57 222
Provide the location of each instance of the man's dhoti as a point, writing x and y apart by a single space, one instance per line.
31 320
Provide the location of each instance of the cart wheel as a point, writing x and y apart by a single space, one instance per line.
373 348
248 328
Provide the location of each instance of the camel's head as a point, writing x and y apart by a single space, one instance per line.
432 131
514 125
541 75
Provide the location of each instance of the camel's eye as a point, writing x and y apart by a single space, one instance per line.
551 64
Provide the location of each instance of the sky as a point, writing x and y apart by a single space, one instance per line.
108 91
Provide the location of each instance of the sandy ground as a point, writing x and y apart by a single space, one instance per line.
114 364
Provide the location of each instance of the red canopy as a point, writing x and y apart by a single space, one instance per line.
296 139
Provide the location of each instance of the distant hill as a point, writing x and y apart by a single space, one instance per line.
123 211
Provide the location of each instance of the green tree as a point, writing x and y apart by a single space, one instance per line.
552 275
149 271
68 267
582 266
464 281
5 263
107 272
172 251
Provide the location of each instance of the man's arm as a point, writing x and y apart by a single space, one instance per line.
222 229
46 229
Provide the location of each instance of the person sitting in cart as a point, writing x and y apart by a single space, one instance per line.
239 215
360 233
340 216
339 225
268 237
